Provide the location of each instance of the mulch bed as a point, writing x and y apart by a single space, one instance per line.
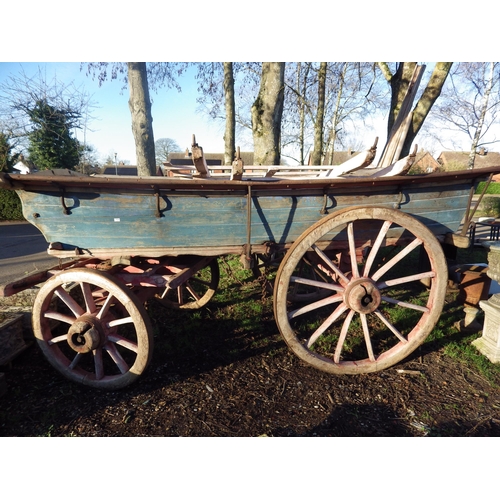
229 388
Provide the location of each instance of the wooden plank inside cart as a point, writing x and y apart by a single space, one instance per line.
348 246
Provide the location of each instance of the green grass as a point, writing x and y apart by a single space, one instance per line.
456 345
493 188
464 352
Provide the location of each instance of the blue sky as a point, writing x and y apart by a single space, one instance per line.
174 114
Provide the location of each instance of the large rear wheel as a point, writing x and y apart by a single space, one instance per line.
349 295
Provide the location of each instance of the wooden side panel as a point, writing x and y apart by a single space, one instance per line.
128 220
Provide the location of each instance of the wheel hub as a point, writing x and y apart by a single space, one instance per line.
84 335
362 296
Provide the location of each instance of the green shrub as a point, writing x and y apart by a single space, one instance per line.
490 206
10 205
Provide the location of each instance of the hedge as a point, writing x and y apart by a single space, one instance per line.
10 205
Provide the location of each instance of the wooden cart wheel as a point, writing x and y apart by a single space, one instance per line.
366 259
196 291
92 329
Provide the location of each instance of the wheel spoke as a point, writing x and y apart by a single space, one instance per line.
391 327
89 299
59 338
408 305
405 279
401 255
69 301
366 333
116 357
192 292
105 308
64 318
376 247
316 284
336 269
75 361
315 305
343 335
352 250
98 364
326 324
122 341
119 321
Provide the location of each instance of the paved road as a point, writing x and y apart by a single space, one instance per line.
23 250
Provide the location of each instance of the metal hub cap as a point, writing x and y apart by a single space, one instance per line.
362 296
84 335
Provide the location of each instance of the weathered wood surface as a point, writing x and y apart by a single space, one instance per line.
176 216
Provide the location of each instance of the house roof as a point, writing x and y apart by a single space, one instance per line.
339 157
483 159
119 170
424 161
211 158
24 166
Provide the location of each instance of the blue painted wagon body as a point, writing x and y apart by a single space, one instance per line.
346 246
161 216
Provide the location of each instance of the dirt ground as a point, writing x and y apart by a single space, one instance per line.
237 382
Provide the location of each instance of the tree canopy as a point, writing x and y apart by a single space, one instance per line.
7 157
51 144
163 148
39 115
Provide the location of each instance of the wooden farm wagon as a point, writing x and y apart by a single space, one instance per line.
349 249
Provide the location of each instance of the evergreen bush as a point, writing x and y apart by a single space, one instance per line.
10 205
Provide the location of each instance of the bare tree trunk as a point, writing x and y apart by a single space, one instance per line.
400 82
266 114
484 108
142 120
336 114
425 103
317 154
230 132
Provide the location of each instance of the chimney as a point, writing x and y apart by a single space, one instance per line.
482 152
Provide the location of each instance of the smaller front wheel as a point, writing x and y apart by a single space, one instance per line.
92 329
